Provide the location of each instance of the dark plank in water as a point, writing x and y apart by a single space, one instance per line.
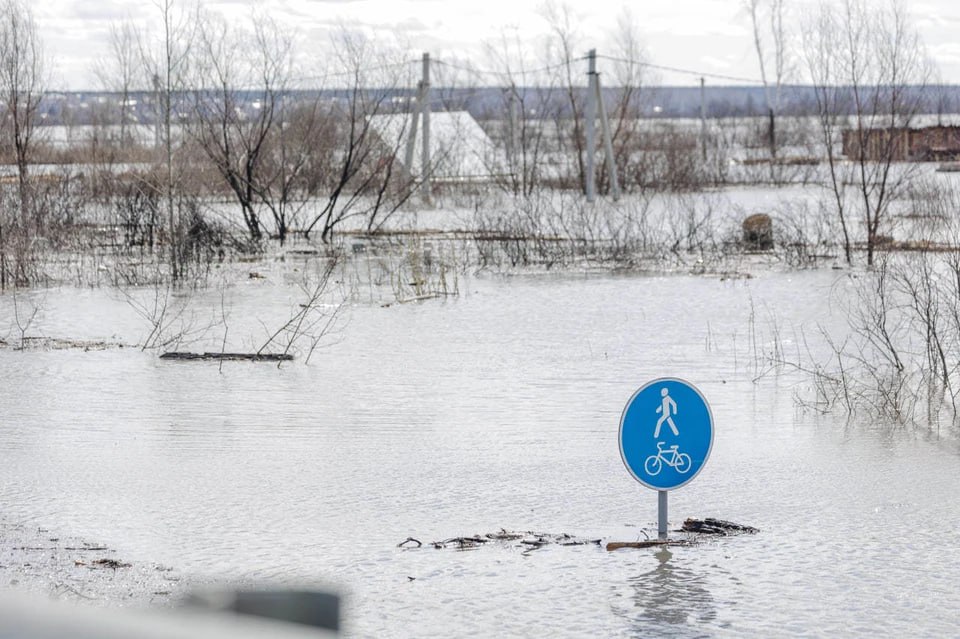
252 357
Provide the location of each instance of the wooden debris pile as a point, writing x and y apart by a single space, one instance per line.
694 529
59 344
711 526
528 540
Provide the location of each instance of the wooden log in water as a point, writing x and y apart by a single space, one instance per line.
250 357
650 543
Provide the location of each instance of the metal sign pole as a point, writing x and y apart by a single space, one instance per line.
662 515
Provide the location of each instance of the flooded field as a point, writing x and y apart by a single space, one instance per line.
496 408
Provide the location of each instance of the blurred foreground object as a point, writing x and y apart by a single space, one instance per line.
307 607
234 615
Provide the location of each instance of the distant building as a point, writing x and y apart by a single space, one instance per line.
460 149
903 144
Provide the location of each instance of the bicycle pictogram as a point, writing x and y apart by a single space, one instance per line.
681 462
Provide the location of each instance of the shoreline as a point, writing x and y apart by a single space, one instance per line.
39 561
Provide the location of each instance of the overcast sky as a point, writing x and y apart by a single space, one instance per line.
704 35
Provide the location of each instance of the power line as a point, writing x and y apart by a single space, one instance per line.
700 74
467 69
508 73
565 63
353 72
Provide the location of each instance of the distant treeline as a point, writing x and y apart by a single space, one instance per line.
93 107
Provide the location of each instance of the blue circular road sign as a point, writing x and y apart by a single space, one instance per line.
666 433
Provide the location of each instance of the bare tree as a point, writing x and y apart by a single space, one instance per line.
866 66
119 73
629 77
241 77
562 49
22 78
165 60
770 41
525 101
359 178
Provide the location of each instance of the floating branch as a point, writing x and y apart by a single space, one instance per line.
462 543
409 540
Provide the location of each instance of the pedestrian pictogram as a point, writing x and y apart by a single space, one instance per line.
664 408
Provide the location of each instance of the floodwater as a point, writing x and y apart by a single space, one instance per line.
497 408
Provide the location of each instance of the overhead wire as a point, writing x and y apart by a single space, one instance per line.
565 63
660 67
345 74
508 74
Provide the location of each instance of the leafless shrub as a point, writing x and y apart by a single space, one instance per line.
804 233
314 319
171 317
25 311
137 209
32 230
665 157
555 230
901 359
868 62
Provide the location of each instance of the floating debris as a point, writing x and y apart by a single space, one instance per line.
410 540
86 546
711 526
462 543
59 344
528 540
693 528
110 563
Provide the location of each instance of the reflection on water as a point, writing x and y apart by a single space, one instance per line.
671 598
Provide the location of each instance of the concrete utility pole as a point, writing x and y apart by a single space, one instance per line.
156 121
607 143
513 131
425 167
412 133
421 111
595 102
591 116
703 117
